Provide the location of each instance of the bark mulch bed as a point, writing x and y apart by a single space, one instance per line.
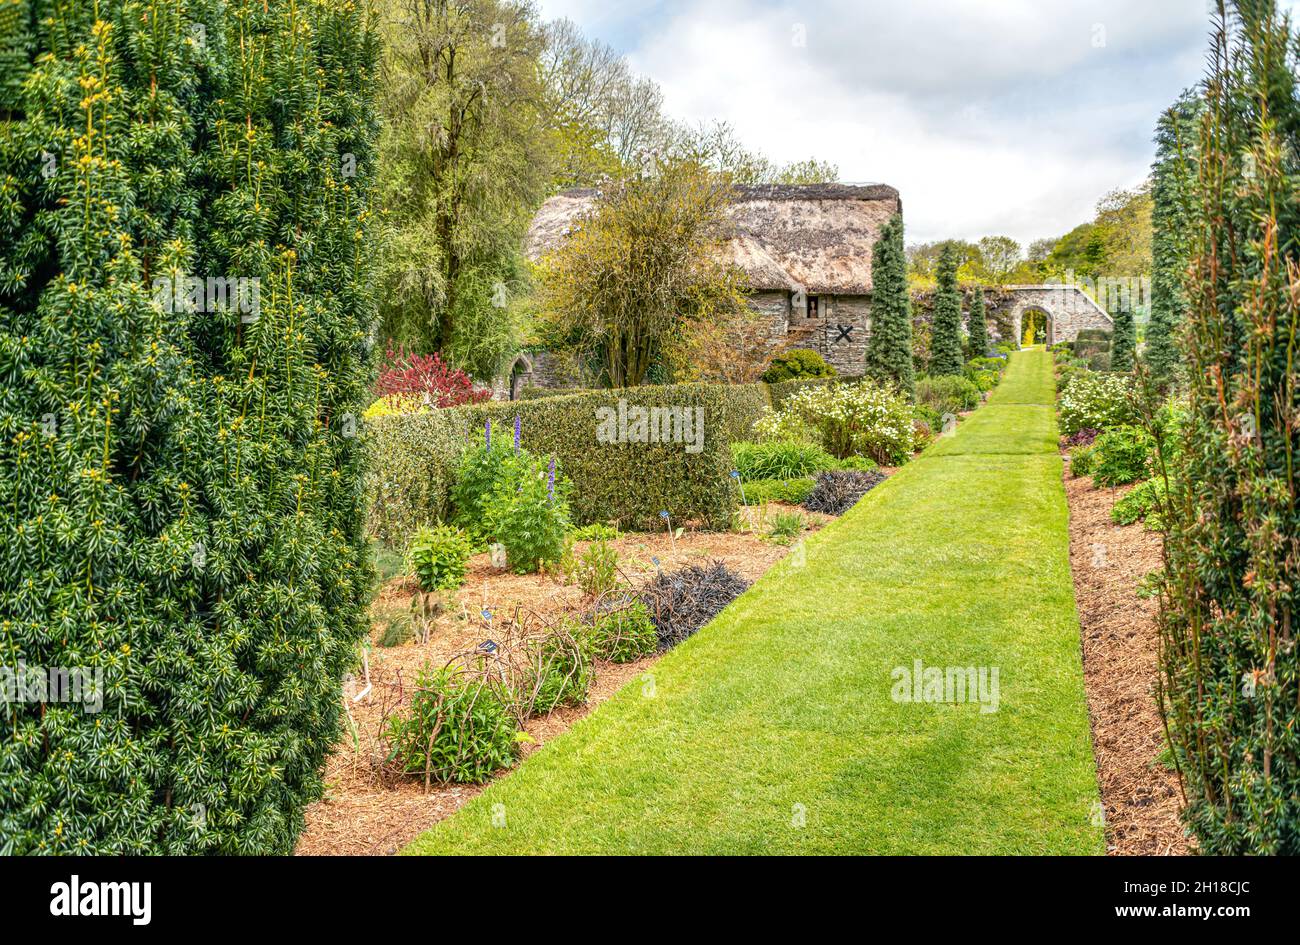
1139 792
362 813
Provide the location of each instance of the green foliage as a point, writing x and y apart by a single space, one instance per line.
560 673
946 356
458 728
438 557
180 487
977 325
1095 400
779 459
947 394
889 347
785 527
1083 459
526 512
622 291
1230 682
1145 501
1123 342
860 463
1172 181
797 364
411 466
397 630
789 491
1123 455
623 634
595 570
482 467
465 158
596 531
863 418
414 458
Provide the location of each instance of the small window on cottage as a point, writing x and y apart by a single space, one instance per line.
812 307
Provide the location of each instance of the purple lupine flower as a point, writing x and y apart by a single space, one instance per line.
550 482
516 433
487 434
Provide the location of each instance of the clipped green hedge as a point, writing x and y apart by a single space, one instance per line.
414 457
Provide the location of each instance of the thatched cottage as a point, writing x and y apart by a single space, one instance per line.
806 250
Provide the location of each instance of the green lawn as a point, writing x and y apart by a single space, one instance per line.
773 730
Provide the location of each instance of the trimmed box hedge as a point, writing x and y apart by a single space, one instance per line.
414 457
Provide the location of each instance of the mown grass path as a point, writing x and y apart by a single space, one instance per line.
774 731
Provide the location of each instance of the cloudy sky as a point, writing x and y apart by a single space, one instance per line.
989 116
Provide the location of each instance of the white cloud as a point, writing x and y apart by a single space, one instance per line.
1009 117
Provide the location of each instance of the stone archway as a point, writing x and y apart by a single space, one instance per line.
1067 308
1025 315
520 373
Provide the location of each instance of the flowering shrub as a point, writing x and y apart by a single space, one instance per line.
428 377
863 418
1095 400
527 513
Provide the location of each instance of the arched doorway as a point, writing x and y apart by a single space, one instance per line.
1033 325
520 373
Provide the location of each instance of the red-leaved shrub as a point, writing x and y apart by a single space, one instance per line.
405 372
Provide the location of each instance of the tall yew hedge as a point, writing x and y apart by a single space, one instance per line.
1229 654
181 488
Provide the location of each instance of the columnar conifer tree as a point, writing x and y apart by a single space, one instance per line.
1230 663
1123 339
889 349
977 328
945 345
184 324
1173 177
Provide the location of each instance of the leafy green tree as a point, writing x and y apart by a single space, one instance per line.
977 325
1230 687
889 347
624 290
179 469
466 157
1172 180
945 343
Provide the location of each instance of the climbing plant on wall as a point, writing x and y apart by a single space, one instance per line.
184 315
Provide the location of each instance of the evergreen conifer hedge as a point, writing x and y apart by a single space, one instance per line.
1231 666
184 315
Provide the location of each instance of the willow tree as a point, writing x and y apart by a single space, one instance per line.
945 343
182 537
1230 665
466 158
889 348
643 266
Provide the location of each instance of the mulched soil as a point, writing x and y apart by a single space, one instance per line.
365 812
1140 794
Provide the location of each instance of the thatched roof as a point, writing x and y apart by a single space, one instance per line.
817 237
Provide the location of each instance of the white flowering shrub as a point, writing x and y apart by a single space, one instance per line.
1095 401
847 419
